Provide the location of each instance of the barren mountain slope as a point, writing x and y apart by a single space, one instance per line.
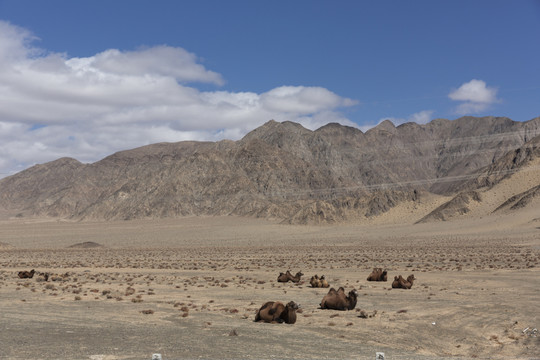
280 170
510 183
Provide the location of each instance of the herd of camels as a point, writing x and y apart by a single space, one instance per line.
277 312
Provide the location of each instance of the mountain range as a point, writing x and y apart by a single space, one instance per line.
285 172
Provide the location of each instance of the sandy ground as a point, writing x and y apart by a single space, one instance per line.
190 288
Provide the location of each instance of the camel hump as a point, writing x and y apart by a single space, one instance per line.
332 291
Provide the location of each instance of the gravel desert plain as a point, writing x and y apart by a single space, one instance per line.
190 288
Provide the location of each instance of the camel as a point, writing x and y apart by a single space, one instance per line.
315 281
284 277
318 282
324 283
296 278
409 282
378 274
276 312
289 277
26 274
400 283
337 300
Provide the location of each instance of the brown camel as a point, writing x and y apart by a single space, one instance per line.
315 281
409 282
337 300
284 277
26 274
318 282
289 277
296 278
324 283
276 312
400 283
378 274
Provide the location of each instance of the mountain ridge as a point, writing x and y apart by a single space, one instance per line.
280 171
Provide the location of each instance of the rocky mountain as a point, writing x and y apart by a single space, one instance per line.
521 161
280 171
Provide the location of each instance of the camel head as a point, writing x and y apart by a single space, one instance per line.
353 298
293 305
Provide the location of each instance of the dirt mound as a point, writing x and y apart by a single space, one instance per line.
86 245
459 205
520 200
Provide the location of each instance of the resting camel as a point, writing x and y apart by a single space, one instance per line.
288 277
324 283
378 274
337 300
400 283
315 281
318 282
276 312
296 278
26 274
284 277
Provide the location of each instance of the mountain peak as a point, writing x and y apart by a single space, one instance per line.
385 125
272 130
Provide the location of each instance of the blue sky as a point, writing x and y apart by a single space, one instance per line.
86 79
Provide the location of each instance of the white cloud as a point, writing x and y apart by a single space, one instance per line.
155 61
302 100
14 44
53 106
476 97
422 117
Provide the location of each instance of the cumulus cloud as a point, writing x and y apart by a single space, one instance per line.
422 117
173 62
475 95
52 105
302 100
